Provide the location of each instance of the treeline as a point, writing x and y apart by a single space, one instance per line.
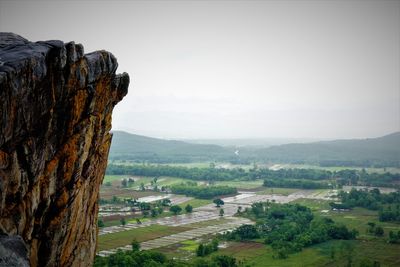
207 248
205 192
289 227
362 177
343 177
387 204
290 183
152 258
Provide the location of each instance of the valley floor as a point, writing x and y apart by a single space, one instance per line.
178 236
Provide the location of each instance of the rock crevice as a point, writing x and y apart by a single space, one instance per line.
55 118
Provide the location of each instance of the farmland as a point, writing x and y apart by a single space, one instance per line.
179 235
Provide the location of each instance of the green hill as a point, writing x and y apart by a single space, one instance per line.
140 148
381 151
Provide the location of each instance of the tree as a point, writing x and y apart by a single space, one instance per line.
160 210
221 212
135 245
379 231
153 212
218 202
225 261
188 208
239 210
175 209
122 220
200 251
215 244
100 222
166 202
142 188
246 231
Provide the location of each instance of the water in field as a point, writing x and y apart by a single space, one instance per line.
153 198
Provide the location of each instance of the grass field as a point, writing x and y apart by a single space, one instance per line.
331 253
280 191
123 238
356 218
195 203
189 245
339 168
112 178
241 184
208 223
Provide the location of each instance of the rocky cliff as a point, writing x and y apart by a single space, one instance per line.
55 117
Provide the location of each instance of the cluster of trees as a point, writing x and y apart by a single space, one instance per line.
127 182
394 238
207 248
390 214
342 177
290 183
375 229
133 258
150 258
205 192
289 227
244 232
210 174
308 174
362 177
387 204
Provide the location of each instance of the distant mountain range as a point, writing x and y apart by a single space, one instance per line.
141 148
381 151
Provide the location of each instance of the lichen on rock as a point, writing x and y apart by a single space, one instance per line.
55 121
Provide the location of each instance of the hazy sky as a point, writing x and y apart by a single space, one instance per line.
238 69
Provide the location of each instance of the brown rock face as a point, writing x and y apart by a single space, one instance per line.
55 118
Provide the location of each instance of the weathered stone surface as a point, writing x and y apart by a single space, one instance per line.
13 252
55 118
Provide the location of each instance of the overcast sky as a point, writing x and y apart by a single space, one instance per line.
238 69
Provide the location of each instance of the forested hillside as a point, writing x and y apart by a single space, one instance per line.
374 152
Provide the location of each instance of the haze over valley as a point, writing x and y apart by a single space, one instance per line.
200 133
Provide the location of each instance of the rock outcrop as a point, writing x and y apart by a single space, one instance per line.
55 118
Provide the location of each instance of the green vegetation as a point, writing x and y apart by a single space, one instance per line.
218 202
331 253
373 152
123 238
288 228
303 178
138 148
132 258
175 209
387 204
154 259
304 184
240 184
280 191
202 191
188 208
207 248
189 245
195 202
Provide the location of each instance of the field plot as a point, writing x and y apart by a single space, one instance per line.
242 185
178 236
336 168
160 235
119 239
